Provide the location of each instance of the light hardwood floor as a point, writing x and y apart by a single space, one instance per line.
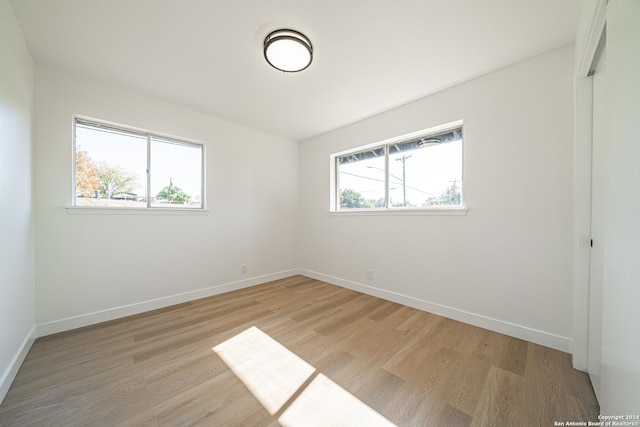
309 351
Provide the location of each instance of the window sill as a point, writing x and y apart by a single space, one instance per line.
457 211
93 210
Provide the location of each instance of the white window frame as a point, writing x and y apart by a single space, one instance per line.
334 206
149 209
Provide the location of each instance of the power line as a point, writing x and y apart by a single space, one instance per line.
381 180
362 176
390 174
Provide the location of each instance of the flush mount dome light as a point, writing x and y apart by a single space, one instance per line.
288 50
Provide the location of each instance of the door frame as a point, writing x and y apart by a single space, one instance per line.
587 40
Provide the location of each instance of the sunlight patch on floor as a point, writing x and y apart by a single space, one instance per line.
324 403
269 370
274 374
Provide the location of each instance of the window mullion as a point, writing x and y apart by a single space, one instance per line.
148 170
386 176
202 178
336 197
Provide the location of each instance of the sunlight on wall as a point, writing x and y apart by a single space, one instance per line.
274 374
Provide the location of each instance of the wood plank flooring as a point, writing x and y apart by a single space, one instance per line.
374 362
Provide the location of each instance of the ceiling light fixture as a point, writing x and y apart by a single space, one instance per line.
288 50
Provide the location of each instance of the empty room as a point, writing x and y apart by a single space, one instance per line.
336 213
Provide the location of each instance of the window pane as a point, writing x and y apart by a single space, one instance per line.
176 174
423 174
361 180
110 167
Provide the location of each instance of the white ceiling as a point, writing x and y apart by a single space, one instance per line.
369 55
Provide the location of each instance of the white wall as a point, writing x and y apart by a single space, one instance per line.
620 370
95 267
507 264
17 318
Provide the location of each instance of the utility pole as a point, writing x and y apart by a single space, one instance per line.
454 198
403 159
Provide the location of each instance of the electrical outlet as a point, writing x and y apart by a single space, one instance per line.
244 269
369 274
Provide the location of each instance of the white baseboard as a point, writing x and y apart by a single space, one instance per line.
12 370
518 331
128 310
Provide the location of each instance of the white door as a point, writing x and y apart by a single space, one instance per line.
598 176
